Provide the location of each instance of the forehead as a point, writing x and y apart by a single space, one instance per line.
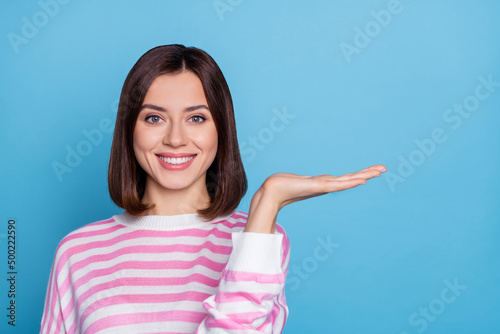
179 87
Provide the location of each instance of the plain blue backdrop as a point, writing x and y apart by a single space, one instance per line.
319 87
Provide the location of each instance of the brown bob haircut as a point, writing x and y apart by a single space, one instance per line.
226 179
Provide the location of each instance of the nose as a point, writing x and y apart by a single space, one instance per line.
176 135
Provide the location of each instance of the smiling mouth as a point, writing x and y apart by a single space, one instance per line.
176 161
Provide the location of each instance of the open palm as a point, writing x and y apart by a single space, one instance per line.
281 189
290 188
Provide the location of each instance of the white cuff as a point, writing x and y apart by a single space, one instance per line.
256 252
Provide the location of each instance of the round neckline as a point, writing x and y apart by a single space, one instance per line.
164 223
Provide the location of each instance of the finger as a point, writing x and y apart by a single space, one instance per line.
374 168
367 174
326 187
380 168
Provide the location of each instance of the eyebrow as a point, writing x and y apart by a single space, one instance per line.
188 109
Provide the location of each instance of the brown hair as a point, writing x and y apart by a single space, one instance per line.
226 179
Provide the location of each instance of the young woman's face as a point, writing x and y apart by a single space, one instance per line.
175 138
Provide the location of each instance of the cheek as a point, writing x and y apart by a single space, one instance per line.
137 146
145 139
208 140
141 144
137 142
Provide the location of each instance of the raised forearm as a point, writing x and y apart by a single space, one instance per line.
262 214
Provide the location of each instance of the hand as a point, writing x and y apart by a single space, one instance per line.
281 189
287 188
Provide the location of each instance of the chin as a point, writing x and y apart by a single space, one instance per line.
175 185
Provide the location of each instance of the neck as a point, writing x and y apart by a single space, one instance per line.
169 202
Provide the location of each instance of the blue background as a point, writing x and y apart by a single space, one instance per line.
399 239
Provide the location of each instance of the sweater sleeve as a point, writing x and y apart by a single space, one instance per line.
251 295
52 313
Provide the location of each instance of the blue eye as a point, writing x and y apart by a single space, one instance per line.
153 119
198 119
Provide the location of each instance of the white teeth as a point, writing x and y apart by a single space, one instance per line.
176 161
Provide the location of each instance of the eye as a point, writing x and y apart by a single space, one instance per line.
198 119
153 119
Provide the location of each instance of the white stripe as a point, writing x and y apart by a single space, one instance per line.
133 309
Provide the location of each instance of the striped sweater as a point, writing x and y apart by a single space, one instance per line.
168 274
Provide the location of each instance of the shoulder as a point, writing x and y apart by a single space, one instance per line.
239 216
92 229
82 237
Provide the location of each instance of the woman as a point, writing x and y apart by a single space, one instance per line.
180 259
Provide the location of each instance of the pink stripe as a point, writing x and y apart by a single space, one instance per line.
247 318
237 276
232 297
136 234
102 222
269 322
231 225
279 301
140 233
285 244
139 249
70 251
277 309
154 249
168 333
137 318
282 301
239 214
90 245
58 319
47 298
58 322
226 250
239 319
271 317
146 298
136 249
190 232
86 234
144 281
147 249
72 329
149 265
66 256
225 323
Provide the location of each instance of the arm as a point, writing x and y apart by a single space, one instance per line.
52 313
251 290
251 296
